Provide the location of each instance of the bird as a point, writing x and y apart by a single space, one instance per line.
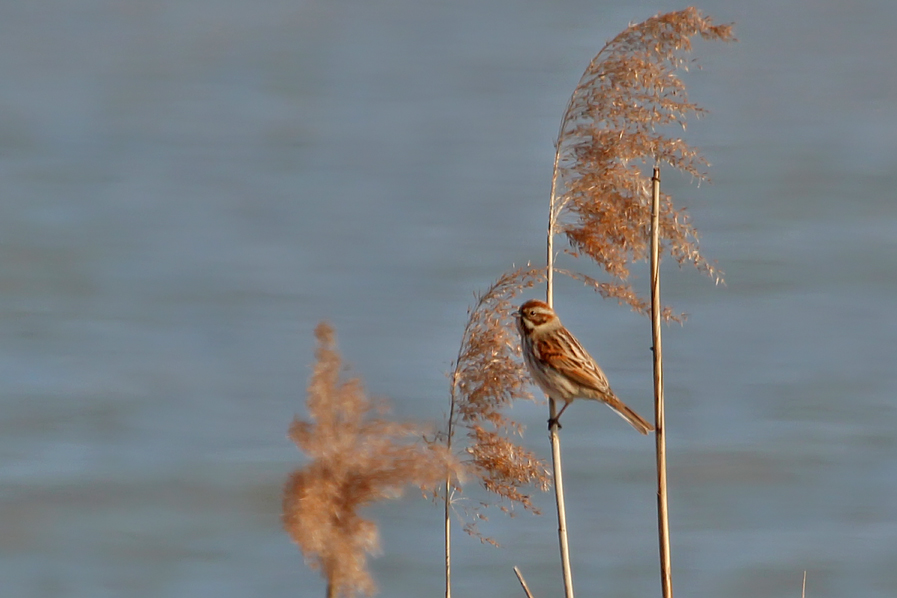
561 367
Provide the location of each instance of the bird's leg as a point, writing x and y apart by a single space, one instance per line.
554 420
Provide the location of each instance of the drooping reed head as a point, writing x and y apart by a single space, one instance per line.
615 128
357 457
488 375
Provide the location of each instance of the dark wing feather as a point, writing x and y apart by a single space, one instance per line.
574 362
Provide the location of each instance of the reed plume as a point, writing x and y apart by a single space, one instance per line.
357 458
608 206
610 135
487 376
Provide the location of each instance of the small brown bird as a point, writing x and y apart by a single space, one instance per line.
561 367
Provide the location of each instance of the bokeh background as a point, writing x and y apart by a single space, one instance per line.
188 187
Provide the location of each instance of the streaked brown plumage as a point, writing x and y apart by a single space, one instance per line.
561 367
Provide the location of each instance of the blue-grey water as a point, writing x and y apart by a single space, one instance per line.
187 188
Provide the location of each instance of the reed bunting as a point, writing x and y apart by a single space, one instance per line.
561 367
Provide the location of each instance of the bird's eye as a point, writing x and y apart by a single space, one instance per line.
532 312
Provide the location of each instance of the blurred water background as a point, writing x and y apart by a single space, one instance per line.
189 187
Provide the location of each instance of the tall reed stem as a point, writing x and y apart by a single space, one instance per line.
557 469
663 520
558 473
449 490
523 583
448 539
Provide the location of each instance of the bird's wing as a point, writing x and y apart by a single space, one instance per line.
576 364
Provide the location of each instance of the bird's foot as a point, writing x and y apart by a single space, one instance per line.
554 421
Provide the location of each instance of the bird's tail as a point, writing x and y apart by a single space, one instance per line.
634 419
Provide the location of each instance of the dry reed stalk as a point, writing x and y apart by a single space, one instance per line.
357 458
608 134
557 472
448 537
522 582
487 376
663 516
